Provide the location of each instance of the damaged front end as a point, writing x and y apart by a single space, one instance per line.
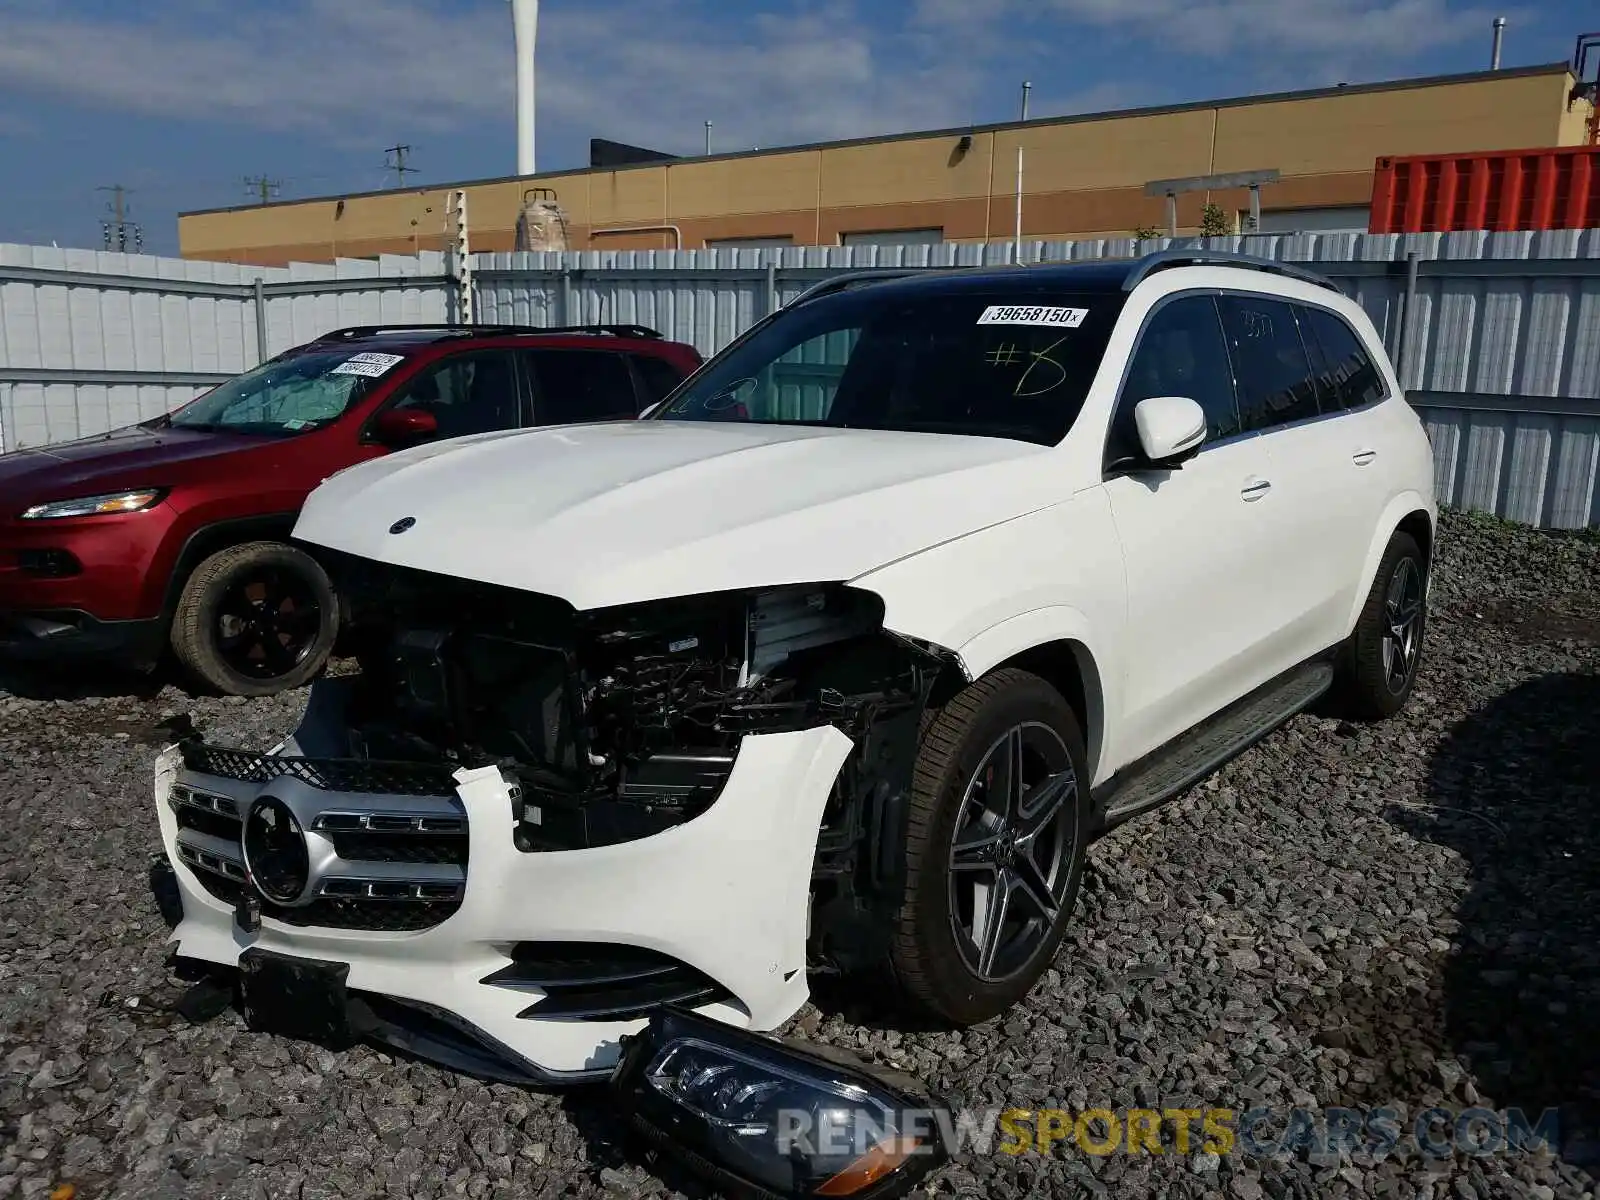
619 723
592 814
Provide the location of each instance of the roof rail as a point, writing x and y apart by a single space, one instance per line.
628 331
355 332
1160 260
848 279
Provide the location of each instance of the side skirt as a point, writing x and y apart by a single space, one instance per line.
1164 773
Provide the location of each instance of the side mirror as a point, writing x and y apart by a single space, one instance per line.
1171 429
396 427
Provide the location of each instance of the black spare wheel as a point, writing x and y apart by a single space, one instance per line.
996 828
256 619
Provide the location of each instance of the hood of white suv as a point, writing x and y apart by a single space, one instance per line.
639 510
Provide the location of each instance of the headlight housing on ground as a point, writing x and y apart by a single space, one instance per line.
135 500
749 1111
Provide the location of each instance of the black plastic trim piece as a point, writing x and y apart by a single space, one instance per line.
25 638
602 981
363 775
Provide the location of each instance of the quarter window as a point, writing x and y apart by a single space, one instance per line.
1346 372
1274 377
1180 353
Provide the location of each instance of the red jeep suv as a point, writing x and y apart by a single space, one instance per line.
174 532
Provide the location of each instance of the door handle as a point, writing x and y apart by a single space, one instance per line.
1362 457
1255 489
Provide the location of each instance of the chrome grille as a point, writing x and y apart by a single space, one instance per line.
391 861
208 860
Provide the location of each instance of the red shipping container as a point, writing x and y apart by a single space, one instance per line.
1555 188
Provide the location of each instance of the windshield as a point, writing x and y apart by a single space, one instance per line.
290 395
989 363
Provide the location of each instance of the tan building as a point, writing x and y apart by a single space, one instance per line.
1084 176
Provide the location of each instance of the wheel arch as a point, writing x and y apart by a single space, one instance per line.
1054 643
213 536
1410 513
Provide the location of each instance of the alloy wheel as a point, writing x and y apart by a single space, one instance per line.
267 622
1402 636
1011 851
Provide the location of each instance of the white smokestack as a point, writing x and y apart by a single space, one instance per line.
525 25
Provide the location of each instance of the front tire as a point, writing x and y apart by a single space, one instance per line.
256 619
1378 667
997 825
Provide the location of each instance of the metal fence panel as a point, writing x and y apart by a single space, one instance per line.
1500 348
73 322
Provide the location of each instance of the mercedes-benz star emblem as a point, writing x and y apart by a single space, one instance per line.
275 853
403 524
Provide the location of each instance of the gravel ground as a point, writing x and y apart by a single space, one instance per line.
1402 915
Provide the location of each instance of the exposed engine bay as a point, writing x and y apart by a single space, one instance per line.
619 723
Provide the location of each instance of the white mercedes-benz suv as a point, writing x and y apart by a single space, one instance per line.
834 662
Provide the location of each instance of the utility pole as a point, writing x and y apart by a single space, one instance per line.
119 232
398 166
261 186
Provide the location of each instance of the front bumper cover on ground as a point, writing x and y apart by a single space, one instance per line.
725 893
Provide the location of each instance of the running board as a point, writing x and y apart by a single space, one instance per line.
1189 758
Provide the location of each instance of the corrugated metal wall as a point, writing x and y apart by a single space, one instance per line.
91 340
1501 350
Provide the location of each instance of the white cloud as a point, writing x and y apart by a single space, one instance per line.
1266 37
352 72
1348 29
305 66
348 70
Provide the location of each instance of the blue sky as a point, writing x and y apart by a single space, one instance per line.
179 100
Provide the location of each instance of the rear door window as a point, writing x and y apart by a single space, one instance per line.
1348 376
581 385
1272 372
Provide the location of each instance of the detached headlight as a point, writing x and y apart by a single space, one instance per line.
754 1112
94 506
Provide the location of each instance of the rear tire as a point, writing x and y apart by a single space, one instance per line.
949 957
256 619
1379 662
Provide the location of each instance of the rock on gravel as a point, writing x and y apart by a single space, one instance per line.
1401 915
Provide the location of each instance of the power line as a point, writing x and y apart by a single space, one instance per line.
398 166
119 232
263 187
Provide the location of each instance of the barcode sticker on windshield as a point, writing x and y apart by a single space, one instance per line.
370 364
1023 314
